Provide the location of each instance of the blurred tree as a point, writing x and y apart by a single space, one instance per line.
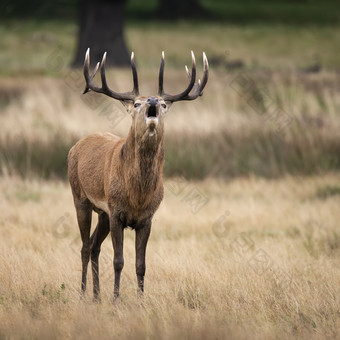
174 9
101 29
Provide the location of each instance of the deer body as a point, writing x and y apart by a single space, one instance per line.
118 176
121 178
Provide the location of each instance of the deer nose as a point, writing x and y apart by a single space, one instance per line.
152 101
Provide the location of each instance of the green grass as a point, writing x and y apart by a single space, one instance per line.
35 47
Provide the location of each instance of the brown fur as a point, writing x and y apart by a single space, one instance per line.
120 179
119 171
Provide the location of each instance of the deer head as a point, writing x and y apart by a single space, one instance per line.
147 112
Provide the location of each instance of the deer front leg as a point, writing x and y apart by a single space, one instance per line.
84 216
142 236
117 235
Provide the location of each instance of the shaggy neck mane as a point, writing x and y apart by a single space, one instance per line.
143 160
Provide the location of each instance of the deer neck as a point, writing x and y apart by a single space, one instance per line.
144 159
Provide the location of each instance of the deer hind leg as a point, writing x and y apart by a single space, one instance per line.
84 217
117 235
97 238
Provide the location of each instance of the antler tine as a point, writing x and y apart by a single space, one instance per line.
86 70
89 78
188 73
134 75
199 86
161 76
102 73
90 85
182 95
205 73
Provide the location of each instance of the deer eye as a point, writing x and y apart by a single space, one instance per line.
163 106
137 105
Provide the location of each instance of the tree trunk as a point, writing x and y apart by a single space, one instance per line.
101 29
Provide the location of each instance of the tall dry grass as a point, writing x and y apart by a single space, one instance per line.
259 259
281 123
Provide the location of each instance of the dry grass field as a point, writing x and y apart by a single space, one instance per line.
246 243
255 259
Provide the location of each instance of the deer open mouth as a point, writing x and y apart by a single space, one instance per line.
151 119
152 111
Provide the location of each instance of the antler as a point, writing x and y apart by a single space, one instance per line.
90 85
197 88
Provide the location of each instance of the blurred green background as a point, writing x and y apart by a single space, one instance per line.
313 12
285 122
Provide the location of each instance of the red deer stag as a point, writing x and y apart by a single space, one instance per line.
121 178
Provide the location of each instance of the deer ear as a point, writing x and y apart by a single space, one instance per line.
128 106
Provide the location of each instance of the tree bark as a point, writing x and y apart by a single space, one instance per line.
101 29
